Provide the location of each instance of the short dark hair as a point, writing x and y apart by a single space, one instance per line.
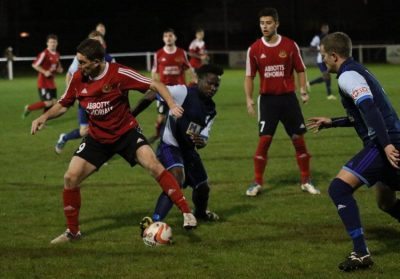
269 12
95 33
339 43
209 68
51 36
92 49
169 30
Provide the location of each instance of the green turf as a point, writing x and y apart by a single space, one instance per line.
283 233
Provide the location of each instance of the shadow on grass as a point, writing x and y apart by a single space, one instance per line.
127 219
388 236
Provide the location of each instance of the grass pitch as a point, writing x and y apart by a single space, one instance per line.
283 233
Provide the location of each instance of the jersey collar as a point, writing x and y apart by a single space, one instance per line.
274 44
100 76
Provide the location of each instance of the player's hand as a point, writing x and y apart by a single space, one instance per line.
37 124
199 141
60 70
315 124
250 107
304 97
47 74
176 111
392 155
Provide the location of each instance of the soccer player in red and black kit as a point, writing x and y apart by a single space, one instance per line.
275 58
170 65
47 63
197 50
102 90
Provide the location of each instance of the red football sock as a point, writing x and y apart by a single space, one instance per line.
303 158
171 187
36 106
72 204
260 158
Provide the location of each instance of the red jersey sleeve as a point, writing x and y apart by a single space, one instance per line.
297 60
155 64
69 96
132 80
251 62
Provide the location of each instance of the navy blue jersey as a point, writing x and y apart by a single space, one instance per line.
198 117
356 84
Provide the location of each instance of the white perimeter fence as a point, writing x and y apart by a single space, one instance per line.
236 59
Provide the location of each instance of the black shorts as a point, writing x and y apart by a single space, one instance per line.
162 107
284 108
46 94
98 153
370 165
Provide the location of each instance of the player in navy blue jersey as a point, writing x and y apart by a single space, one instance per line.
372 115
182 138
326 77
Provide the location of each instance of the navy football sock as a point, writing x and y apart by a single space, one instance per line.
317 80
163 206
342 195
328 86
74 134
200 199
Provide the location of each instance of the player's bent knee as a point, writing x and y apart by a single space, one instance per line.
71 180
338 189
203 188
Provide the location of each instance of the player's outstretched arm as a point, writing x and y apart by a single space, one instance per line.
55 111
315 124
159 87
143 103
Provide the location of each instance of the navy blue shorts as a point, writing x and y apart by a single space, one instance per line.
322 67
82 117
284 108
370 165
171 156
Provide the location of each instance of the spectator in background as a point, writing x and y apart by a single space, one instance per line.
47 64
326 77
197 50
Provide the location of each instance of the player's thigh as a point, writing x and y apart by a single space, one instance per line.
78 170
170 156
146 157
269 109
195 171
128 147
94 152
292 117
367 165
385 196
